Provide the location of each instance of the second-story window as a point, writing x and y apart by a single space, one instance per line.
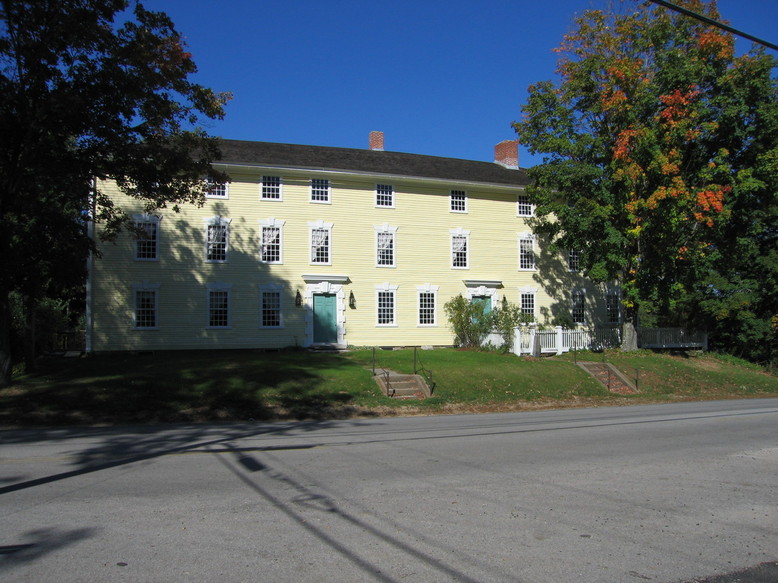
459 250
321 242
217 236
146 238
526 252
574 260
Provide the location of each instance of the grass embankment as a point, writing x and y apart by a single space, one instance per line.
242 385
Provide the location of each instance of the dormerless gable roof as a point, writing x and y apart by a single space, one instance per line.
368 161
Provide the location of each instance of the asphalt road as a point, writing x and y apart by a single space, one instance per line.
667 493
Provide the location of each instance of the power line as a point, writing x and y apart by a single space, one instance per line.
715 23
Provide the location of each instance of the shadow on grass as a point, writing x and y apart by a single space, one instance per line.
186 386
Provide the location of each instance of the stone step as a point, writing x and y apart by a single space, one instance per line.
401 385
610 377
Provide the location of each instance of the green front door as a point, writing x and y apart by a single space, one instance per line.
485 302
325 324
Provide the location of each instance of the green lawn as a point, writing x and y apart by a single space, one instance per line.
241 385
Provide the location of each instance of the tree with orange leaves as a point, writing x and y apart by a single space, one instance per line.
653 136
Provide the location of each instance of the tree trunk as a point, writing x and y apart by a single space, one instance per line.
5 339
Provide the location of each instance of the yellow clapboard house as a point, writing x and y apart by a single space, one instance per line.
320 246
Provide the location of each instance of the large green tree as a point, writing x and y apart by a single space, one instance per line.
660 150
89 89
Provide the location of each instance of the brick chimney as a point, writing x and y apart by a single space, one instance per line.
506 153
376 141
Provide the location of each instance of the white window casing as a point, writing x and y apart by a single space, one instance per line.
321 242
217 239
386 305
146 241
386 245
460 248
271 245
427 305
145 312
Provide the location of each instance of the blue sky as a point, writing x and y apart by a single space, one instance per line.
438 77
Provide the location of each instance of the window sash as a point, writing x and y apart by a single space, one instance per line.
578 311
216 189
427 308
459 251
458 201
523 206
574 260
145 309
612 308
217 243
218 309
527 303
384 195
385 308
146 241
320 190
526 254
385 248
271 188
271 245
271 309
320 246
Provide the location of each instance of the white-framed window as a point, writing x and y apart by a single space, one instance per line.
385 245
146 241
574 260
523 206
458 201
217 235
270 307
384 195
320 190
216 189
271 249
526 252
270 188
578 307
321 243
527 303
145 306
428 303
460 249
613 308
385 305
219 305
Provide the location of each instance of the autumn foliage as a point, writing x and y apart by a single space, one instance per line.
653 137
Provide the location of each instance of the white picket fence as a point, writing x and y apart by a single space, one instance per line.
529 340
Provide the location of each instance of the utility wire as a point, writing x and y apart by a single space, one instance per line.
715 23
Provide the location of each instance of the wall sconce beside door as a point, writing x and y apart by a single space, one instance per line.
352 301
298 299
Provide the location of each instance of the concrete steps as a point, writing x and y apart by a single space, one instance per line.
610 377
402 386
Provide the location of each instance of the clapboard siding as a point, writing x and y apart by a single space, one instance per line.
423 222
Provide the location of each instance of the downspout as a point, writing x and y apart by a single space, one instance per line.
90 231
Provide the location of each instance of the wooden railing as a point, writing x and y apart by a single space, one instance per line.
672 338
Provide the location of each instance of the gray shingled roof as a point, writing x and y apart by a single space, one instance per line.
368 161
